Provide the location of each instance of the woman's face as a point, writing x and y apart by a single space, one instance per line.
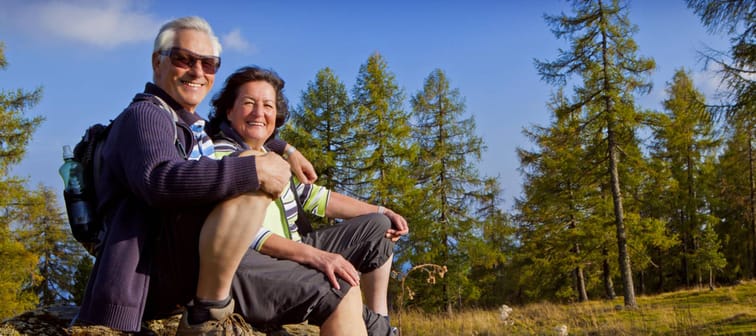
253 115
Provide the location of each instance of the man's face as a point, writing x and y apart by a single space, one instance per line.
188 86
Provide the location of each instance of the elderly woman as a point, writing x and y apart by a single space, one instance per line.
288 276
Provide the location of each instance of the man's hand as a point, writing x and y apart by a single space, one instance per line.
273 173
302 168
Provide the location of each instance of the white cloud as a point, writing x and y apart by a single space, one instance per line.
709 82
235 41
104 24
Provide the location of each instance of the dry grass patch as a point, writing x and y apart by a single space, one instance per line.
724 311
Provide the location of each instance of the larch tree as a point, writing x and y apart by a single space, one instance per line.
449 181
17 276
737 18
708 255
382 138
493 250
323 127
603 54
382 148
683 139
559 208
733 204
43 229
81 277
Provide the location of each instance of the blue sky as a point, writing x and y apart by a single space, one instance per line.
91 56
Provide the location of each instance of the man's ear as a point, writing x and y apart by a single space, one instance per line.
155 62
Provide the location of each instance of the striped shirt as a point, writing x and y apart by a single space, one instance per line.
281 215
204 145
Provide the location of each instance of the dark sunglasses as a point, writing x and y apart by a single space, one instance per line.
186 59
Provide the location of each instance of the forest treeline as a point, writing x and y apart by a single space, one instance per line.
616 199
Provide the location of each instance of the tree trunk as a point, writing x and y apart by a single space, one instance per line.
449 305
578 272
582 292
752 202
660 286
642 282
622 255
685 276
608 284
609 111
711 278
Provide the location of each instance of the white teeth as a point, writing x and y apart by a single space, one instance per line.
193 84
251 123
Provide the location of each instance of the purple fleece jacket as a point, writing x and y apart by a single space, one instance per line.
144 178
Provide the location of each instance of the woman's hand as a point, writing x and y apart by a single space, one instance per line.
334 265
399 226
301 167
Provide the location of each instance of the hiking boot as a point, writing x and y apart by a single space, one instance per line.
223 322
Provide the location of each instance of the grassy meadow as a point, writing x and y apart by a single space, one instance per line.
723 311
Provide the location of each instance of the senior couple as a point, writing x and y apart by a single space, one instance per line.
208 226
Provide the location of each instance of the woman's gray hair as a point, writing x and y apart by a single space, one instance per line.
165 37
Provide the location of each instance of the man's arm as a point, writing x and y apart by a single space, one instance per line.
142 153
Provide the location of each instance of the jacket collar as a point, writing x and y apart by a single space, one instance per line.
186 116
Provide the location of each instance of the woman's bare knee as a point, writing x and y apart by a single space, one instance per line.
347 318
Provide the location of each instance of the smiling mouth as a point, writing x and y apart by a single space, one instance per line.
194 85
252 123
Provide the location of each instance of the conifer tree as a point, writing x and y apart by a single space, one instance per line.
382 138
449 230
737 18
43 229
733 203
81 277
491 253
323 127
559 212
684 137
603 55
381 149
17 276
708 257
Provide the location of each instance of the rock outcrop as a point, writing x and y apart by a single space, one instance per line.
55 321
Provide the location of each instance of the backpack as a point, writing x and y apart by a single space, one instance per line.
88 153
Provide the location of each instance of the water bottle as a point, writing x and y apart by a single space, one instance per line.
79 212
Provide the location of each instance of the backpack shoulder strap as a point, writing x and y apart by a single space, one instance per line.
303 222
165 107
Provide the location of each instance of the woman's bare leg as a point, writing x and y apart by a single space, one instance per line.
375 288
347 318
